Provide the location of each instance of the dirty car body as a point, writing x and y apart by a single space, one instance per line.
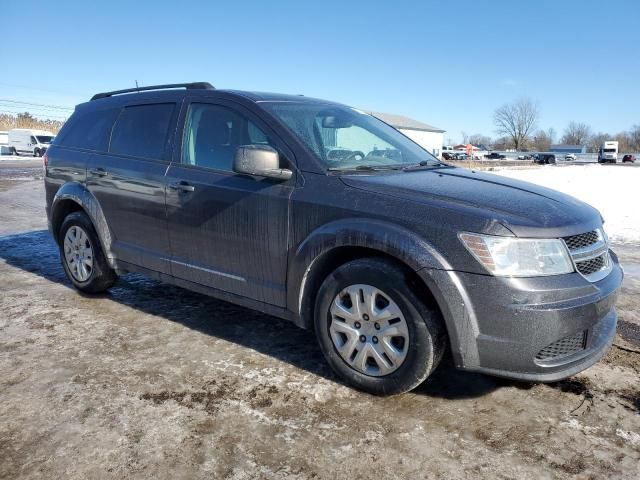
270 242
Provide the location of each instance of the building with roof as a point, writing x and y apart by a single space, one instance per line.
427 136
568 148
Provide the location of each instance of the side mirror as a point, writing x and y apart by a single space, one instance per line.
260 161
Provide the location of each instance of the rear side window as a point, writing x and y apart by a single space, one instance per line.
142 130
89 130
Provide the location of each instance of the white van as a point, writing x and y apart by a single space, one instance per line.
27 140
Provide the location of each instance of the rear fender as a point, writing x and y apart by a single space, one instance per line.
78 193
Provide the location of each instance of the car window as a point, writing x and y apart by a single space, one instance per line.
89 130
343 137
213 133
33 140
142 130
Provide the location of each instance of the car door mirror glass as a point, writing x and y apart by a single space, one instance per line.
259 161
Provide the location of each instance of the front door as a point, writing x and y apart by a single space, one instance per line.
226 230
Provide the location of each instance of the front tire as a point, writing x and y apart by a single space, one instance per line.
82 257
373 329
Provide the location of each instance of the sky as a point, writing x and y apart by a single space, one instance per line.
447 63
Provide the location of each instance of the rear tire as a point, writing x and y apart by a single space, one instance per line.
387 344
82 257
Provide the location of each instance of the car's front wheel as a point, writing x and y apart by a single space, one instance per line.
374 330
82 256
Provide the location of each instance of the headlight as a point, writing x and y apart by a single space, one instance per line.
519 257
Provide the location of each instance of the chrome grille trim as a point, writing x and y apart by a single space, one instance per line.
582 240
590 254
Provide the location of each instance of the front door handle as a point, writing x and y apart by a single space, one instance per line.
99 172
182 187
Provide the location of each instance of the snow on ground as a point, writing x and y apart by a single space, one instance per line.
613 190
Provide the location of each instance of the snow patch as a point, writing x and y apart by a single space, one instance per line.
632 437
613 190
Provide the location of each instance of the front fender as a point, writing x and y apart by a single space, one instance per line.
79 194
394 240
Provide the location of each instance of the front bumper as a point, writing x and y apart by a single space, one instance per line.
500 325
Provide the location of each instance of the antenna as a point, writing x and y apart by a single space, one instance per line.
137 84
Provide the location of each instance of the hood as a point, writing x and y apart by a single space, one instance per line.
522 207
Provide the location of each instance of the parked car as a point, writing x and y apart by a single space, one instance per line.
27 140
494 156
461 156
390 262
544 158
448 156
570 157
628 158
525 156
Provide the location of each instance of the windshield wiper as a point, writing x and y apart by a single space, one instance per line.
425 164
367 168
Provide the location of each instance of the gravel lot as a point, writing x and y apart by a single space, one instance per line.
152 381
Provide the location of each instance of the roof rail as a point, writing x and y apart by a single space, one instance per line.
188 86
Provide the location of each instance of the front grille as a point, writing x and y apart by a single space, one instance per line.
590 254
563 347
591 266
583 240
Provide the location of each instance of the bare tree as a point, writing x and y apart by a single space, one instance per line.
502 143
634 138
552 135
517 120
596 140
624 142
576 134
542 140
478 139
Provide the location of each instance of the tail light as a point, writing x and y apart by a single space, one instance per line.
45 161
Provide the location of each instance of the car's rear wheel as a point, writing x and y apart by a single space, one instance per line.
373 329
82 256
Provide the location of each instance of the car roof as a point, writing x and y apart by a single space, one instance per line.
176 95
277 97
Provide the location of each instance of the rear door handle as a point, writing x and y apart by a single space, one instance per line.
182 187
99 172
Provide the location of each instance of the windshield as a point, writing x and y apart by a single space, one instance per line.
44 138
346 138
609 150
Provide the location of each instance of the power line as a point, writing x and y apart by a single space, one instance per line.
27 87
34 109
46 115
43 105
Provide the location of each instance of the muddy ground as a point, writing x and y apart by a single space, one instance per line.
152 381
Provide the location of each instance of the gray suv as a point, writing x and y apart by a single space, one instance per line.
323 215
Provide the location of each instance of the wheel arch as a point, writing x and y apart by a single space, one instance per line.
73 197
338 242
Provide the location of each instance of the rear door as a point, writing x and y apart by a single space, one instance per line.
226 230
129 183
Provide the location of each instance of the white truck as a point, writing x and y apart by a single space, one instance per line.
27 140
608 152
